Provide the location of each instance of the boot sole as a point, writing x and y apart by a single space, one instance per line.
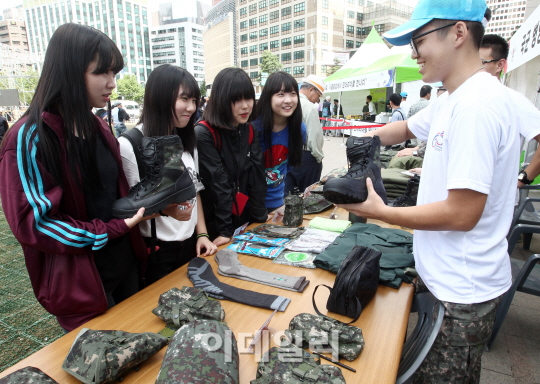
178 197
342 196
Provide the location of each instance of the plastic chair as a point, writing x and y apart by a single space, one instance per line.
526 219
526 277
430 318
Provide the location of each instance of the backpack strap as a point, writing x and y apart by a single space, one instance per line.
135 137
217 138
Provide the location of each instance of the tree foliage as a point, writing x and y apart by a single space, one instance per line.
130 89
334 68
26 85
203 88
270 63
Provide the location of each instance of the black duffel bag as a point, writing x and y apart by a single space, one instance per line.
355 285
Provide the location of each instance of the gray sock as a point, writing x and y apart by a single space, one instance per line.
201 275
230 266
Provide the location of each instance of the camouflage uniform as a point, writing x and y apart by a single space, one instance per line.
202 351
456 355
315 203
103 356
294 210
27 375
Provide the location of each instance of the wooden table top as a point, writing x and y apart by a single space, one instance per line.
383 322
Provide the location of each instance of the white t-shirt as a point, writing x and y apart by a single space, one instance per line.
528 121
472 143
167 228
372 110
405 106
114 115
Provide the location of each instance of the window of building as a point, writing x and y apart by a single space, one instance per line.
358 44
254 75
359 16
349 44
325 4
286 27
299 24
243 24
274 15
324 20
252 8
253 62
263 4
325 37
299 40
243 51
253 22
299 8
274 3
253 35
286 11
286 42
286 56
379 28
350 30
243 11
299 55
288 70
263 18
253 48
263 47
350 14
263 32
274 44
298 70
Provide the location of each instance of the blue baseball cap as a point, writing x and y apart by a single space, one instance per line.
427 10
403 94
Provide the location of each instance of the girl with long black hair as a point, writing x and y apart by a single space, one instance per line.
170 100
281 131
60 173
230 157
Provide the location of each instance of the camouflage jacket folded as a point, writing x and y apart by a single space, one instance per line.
292 365
27 375
202 351
178 306
322 333
103 356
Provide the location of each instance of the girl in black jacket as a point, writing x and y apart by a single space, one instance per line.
231 162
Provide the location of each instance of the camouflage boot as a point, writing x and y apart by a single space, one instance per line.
408 199
364 162
166 180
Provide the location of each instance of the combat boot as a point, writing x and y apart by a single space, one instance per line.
363 158
408 199
166 179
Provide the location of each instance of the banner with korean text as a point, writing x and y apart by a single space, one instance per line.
525 44
379 79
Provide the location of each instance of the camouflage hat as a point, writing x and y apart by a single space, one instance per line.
317 331
178 306
315 203
293 365
28 375
103 356
280 231
202 351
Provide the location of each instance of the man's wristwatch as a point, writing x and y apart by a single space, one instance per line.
523 178
415 153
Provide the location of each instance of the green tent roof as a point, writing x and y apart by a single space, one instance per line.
406 67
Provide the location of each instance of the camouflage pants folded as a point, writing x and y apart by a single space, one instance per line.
456 355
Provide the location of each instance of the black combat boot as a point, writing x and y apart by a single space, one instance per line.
408 199
363 159
166 179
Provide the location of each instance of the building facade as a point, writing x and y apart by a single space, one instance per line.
220 39
507 17
124 21
302 32
13 32
14 13
179 44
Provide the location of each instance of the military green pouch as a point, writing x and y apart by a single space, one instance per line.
202 351
103 356
178 306
293 365
27 375
322 331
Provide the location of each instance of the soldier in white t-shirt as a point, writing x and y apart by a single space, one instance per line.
465 199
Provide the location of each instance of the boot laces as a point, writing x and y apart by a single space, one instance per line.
357 159
402 199
152 169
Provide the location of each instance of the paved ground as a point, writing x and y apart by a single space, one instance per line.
515 355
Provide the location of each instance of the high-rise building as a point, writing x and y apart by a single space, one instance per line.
302 33
13 32
178 37
219 39
14 13
124 21
507 16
